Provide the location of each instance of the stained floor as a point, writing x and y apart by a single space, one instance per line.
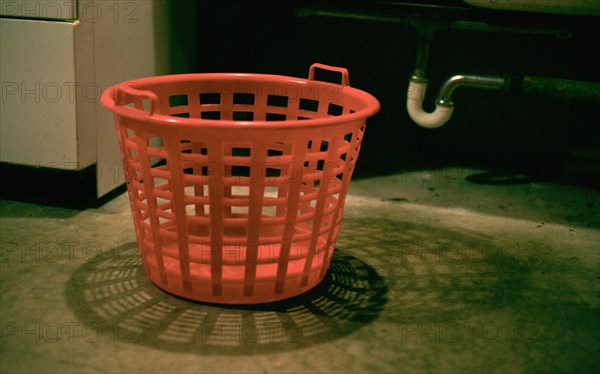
442 270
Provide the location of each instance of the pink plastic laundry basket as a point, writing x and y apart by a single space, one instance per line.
237 182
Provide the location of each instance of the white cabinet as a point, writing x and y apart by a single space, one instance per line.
56 58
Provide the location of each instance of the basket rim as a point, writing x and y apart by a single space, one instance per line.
108 100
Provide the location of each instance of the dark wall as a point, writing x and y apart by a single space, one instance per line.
535 135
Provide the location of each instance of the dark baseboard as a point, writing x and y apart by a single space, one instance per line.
74 189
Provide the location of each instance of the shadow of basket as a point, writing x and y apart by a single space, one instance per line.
113 297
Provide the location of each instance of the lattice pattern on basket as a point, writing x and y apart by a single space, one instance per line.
259 106
227 216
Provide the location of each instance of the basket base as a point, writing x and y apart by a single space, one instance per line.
267 296
232 289
233 293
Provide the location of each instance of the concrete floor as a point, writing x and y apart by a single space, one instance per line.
433 272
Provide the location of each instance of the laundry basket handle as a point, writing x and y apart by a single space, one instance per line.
342 71
126 94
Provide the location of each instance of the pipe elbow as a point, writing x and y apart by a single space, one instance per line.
414 106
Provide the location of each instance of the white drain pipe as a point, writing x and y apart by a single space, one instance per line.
444 107
414 105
